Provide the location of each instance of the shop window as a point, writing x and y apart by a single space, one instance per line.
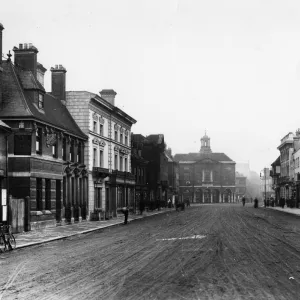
22 145
98 198
48 194
39 194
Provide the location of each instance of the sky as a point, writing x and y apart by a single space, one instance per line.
179 68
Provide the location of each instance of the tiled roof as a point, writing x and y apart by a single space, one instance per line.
17 102
200 156
29 82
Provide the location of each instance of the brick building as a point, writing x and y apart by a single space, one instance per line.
206 177
157 170
45 149
108 151
139 169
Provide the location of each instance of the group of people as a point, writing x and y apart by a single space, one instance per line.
255 201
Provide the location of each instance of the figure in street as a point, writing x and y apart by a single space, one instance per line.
125 211
255 203
244 200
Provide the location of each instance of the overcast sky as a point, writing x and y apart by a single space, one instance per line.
178 67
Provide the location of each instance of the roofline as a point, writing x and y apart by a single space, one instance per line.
30 118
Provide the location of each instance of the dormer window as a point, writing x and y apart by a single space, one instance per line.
41 101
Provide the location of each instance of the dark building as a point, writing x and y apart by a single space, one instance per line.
157 170
206 177
173 177
45 149
139 169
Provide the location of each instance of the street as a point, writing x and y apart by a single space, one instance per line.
222 251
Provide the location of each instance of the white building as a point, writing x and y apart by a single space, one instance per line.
107 156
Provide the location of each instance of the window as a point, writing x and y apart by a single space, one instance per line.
116 135
41 101
94 157
72 152
101 158
38 143
22 145
121 137
98 198
126 169
121 163
94 126
79 153
54 150
48 194
64 149
101 129
39 194
116 162
126 140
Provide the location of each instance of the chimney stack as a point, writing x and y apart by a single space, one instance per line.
26 58
58 84
1 28
109 96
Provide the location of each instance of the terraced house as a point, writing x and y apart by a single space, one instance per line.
45 149
108 152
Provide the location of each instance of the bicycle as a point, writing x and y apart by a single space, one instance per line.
7 239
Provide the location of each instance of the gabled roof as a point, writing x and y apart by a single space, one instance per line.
17 102
276 162
199 156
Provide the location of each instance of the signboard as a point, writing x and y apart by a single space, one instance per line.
3 197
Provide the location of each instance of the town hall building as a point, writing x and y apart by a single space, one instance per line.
206 176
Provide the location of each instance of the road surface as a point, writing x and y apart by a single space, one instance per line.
222 251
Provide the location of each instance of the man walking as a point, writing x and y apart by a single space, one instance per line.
125 211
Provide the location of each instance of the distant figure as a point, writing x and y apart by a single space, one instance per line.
255 203
142 206
244 201
169 203
282 202
265 203
125 211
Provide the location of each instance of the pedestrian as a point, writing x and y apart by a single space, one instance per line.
282 202
244 200
255 203
125 211
169 203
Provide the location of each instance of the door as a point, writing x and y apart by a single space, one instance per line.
58 200
16 214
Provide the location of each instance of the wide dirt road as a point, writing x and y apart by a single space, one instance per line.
245 253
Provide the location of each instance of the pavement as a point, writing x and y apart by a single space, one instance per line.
294 211
36 237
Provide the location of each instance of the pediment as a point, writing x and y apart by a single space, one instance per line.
207 161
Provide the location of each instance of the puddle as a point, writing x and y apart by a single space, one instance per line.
193 237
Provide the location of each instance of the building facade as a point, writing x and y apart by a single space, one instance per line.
45 149
108 151
157 170
206 177
139 169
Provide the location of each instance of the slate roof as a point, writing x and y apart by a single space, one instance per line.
17 101
199 156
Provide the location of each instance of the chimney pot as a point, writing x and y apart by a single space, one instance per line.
30 45
20 46
109 96
56 66
25 46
